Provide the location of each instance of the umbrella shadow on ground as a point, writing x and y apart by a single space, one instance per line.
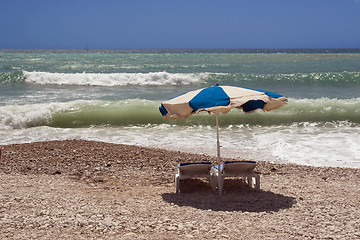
237 196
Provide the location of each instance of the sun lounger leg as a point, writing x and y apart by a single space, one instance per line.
213 183
257 183
250 182
177 184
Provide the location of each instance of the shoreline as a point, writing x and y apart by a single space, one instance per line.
79 189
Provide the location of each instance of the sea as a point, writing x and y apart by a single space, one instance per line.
113 95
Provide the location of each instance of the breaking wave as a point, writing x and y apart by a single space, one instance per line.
132 112
113 79
165 78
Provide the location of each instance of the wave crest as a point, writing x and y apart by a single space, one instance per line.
336 79
113 79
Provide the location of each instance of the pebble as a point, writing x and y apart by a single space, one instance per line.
129 236
171 228
108 222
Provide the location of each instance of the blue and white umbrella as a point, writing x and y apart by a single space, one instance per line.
220 99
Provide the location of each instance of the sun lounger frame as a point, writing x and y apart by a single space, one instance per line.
194 170
241 169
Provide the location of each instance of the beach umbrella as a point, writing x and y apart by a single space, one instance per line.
220 99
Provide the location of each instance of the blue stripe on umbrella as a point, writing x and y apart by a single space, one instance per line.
163 110
252 105
210 97
270 94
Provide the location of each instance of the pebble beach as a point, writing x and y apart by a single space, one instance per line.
77 189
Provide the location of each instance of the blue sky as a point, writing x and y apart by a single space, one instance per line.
179 24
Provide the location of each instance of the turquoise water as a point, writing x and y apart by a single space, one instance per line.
114 95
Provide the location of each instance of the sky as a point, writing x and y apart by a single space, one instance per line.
144 24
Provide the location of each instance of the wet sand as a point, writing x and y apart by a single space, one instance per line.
79 189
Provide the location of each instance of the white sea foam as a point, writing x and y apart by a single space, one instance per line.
306 146
113 79
325 146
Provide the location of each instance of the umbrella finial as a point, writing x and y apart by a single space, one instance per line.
217 84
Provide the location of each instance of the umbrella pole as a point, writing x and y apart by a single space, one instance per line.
218 156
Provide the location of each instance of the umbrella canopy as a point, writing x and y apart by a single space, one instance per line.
220 99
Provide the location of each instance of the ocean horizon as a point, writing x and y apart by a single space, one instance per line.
185 50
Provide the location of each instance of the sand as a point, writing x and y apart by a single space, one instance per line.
79 189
